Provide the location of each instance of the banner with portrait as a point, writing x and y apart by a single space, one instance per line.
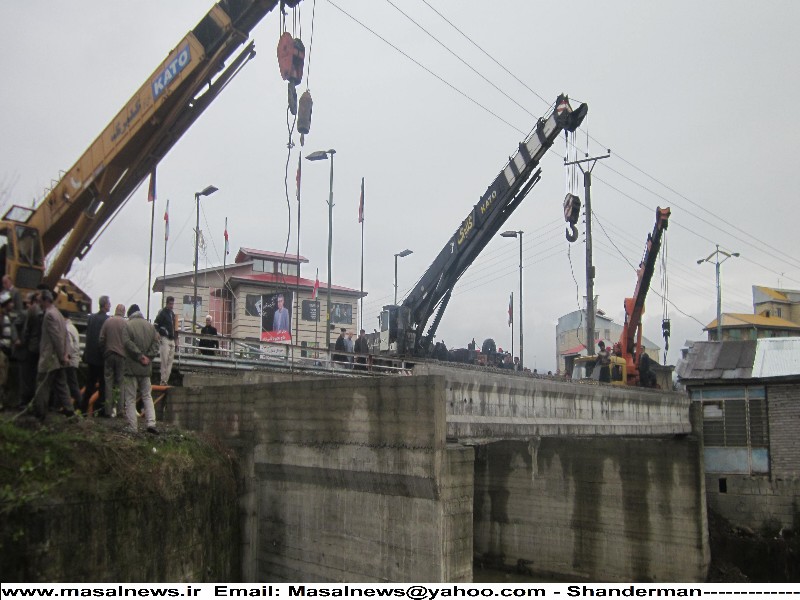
275 312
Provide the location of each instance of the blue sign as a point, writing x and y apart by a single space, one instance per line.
171 71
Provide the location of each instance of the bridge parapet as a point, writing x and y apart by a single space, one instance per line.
485 406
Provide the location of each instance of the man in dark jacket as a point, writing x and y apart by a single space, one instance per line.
141 345
93 357
29 348
167 326
208 345
340 359
361 347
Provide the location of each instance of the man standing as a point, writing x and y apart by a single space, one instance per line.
113 358
604 362
280 320
361 347
167 326
93 357
16 296
71 370
141 345
349 346
340 359
53 358
29 342
7 340
207 345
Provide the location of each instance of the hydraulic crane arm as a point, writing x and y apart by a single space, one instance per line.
631 338
479 226
136 139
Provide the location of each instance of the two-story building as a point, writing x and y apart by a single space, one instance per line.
262 297
749 395
776 313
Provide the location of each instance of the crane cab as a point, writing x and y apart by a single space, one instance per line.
21 250
584 370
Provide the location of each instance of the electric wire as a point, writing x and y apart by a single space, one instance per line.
426 69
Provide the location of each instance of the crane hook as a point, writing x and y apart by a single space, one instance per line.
573 234
572 209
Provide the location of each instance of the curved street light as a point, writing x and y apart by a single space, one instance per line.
323 155
717 262
401 254
206 192
513 234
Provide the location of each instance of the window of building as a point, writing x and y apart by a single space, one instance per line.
263 266
735 431
287 268
778 311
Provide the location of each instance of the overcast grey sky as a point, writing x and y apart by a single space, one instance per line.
695 101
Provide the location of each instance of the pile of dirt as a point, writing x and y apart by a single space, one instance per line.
53 457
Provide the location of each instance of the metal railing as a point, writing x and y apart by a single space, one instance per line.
250 354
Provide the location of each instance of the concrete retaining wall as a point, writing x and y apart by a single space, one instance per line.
601 509
343 482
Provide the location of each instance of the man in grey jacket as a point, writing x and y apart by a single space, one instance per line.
53 358
141 345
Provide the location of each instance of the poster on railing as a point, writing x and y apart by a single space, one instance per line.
275 312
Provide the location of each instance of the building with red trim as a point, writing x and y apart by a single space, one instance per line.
242 299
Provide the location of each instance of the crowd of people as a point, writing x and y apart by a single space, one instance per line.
40 354
345 343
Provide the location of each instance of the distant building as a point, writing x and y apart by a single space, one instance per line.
571 338
749 395
244 297
743 326
775 302
776 313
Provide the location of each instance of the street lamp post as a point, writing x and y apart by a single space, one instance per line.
513 234
717 262
323 155
401 254
206 192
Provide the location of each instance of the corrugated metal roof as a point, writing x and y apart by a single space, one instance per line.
715 360
777 357
751 359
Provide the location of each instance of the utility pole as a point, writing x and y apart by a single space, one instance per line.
587 189
717 262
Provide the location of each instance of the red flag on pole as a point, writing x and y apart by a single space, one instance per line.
166 222
316 287
227 246
151 191
511 310
361 203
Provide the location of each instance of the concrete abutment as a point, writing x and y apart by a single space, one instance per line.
355 480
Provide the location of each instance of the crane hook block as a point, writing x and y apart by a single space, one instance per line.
572 211
304 107
291 58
